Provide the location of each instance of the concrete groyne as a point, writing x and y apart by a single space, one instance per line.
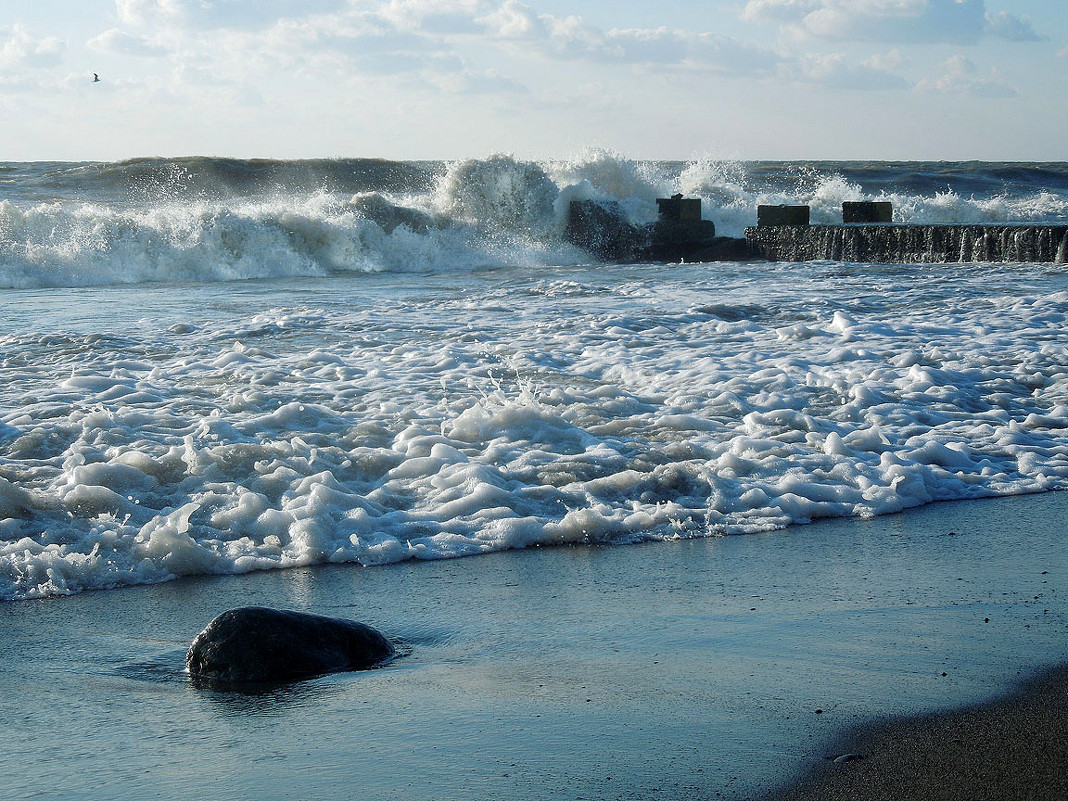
909 243
679 234
783 233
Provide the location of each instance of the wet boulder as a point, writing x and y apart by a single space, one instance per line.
679 234
256 645
601 228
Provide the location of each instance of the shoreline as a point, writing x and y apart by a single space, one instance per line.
1014 747
689 670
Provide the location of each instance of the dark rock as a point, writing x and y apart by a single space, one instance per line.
259 645
679 235
603 230
838 760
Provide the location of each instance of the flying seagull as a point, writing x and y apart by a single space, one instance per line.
96 78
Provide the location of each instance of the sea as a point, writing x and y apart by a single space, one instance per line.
717 513
215 366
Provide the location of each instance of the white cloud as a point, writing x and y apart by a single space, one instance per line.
898 20
23 49
904 21
333 47
241 40
435 16
645 46
779 11
122 43
1004 25
483 82
662 47
572 38
961 77
885 61
726 56
412 35
834 71
514 20
483 46
709 51
143 12
208 14
17 85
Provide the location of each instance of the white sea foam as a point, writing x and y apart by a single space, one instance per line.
545 407
401 402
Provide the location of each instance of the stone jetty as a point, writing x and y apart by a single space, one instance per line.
783 233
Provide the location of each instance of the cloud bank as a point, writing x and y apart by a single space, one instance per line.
891 21
20 48
960 76
487 46
434 39
506 65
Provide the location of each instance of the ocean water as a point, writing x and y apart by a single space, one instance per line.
213 366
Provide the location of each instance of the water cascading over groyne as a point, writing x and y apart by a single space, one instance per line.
908 244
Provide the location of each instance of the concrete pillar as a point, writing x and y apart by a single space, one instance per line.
868 211
782 215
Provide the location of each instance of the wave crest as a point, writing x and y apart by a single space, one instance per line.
203 219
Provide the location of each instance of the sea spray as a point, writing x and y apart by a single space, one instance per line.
199 219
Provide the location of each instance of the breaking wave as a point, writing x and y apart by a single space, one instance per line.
205 219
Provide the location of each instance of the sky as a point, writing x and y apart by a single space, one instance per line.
450 79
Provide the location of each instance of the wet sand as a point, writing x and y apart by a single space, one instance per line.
1013 749
690 670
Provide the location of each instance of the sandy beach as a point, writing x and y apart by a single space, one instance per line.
719 668
1012 748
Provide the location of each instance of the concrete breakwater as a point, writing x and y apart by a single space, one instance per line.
679 234
908 243
783 233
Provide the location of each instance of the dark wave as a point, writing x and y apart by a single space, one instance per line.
201 177
965 178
